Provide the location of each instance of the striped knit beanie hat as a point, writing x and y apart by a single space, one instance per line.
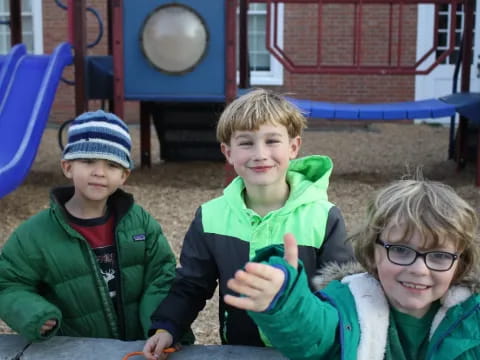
99 135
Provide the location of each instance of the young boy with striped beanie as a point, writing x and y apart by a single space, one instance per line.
94 264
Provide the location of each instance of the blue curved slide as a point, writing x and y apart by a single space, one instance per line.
28 84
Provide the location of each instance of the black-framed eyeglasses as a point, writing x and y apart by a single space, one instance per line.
405 255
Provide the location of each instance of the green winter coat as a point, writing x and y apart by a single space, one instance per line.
349 319
49 271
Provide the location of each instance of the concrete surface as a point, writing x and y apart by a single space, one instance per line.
67 348
10 346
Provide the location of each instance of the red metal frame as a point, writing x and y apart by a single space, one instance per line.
77 29
117 51
15 22
231 67
357 67
243 61
230 54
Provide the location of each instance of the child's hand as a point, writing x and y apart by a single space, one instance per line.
260 283
48 326
153 349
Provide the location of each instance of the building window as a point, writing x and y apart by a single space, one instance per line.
32 34
443 39
264 68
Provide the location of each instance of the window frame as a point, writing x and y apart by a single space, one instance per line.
37 26
273 77
445 31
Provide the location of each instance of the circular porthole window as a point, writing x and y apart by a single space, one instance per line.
174 38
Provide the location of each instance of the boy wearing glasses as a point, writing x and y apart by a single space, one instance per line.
417 296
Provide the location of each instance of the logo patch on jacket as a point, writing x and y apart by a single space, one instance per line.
139 237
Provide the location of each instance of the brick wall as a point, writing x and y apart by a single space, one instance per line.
300 44
300 41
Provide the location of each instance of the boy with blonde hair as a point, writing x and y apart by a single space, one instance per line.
94 264
414 295
260 136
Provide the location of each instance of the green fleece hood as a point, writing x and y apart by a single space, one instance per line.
308 178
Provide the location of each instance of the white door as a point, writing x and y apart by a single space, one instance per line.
439 81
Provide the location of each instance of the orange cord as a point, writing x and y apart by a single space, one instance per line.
136 353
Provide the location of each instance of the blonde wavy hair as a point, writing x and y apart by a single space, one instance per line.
431 208
256 108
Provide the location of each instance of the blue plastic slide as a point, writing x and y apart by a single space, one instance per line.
28 84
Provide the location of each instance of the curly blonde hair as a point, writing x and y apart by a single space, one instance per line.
431 208
256 108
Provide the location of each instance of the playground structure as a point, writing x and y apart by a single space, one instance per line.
185 103
184 83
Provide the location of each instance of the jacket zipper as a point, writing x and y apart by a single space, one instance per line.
104 294
118 297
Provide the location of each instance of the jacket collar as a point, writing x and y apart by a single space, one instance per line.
372 306
119 202
308 178
374 313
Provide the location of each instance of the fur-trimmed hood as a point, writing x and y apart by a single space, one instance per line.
334 271
372 306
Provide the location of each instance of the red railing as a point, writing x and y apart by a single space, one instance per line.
423 65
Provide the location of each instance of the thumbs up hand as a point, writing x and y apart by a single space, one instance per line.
291 250
260 283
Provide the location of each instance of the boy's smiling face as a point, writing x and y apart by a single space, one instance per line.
413 288
261 157
94 179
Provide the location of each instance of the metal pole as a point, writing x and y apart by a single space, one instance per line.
145 133
80 47
468 44
244 66
15 22
462 132
469 9
230 53
231 69
117 53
